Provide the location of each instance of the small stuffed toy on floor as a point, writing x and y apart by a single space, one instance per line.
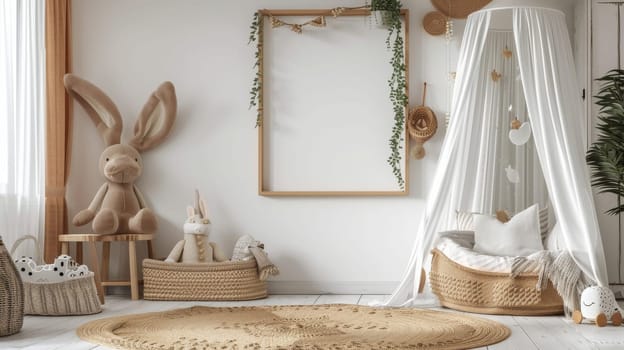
195 247
598 305
118 206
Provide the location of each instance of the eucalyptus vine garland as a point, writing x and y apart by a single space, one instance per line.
397 81
256 87
398 89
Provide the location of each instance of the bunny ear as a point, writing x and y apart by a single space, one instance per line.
197 210
156 118
190 212
98 106
202 209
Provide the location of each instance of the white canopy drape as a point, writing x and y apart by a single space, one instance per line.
553 102
22 121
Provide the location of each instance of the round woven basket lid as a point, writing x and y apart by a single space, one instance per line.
422 123
435 23
459 8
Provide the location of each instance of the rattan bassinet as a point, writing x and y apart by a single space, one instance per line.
462 288
203 281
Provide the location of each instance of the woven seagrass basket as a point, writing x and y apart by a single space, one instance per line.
462 288
11 295
218 281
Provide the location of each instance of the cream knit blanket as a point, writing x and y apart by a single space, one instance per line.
561 270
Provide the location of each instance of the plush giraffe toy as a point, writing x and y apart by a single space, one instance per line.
195 247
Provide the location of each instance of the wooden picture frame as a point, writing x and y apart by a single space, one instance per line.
268 152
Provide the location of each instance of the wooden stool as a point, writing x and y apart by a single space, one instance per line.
101 276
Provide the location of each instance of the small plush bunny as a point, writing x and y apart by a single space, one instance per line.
195 247
118 206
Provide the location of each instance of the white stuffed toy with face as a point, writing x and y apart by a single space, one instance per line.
598 305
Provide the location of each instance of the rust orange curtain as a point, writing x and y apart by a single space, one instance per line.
58 122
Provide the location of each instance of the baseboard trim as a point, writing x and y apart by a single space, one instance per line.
307 287
331 287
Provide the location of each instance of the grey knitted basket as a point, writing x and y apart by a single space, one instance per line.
76 296
72 297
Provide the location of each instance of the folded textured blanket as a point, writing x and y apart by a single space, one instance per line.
558 267
265 267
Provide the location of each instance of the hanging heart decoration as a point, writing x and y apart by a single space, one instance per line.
507 53
496 75
521 134
502 216
512 174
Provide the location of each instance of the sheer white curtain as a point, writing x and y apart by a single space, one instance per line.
499 192
22 120
553 103
456 163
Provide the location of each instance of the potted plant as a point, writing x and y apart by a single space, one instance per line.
606 154
385 12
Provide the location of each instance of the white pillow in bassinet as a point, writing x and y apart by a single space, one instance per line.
465 221
520 236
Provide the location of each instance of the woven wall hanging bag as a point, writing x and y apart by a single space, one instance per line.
422 124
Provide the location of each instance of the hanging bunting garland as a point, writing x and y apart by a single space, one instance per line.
316 22
298 27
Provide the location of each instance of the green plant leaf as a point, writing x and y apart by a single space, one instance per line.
606 155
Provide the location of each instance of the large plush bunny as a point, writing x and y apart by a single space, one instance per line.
118 206
196 247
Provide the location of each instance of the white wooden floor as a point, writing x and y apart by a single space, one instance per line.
545 333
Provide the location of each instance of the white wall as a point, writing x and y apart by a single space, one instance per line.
320 244
604 58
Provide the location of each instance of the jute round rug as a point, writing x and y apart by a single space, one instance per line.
316 327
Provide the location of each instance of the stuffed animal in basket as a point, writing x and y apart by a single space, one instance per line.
247 248
195 247
119 206
63 269
598 305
